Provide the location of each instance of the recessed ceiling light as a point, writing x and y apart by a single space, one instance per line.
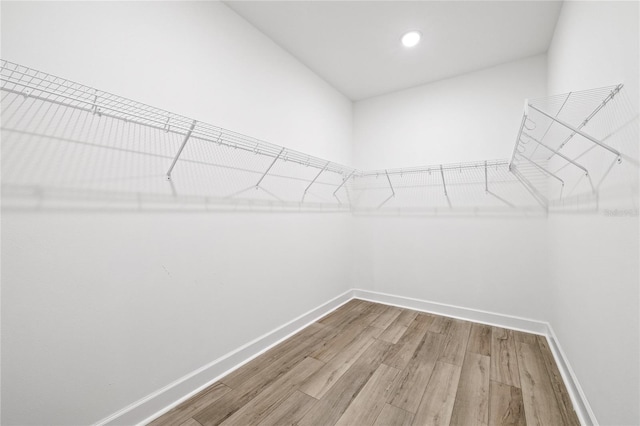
411 38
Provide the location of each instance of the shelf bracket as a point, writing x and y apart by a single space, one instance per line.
444 184
515 148
341 185
580 132
393 193
544 170
558 153
314 179
540 199
184 143
486 180
94 106
269 168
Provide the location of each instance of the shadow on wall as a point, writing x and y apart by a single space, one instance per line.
59 153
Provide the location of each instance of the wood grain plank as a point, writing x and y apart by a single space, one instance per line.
336 344
294 348
540 404
370 401
252 385
393 333
190 422
406 317
440 325
528 338
368 317
344 313
401 353
456 342
471 405
480 339
504 361
290 411
271 397
320 382
441 376
334 403
505 405
569 416
437 402
399 326
184 411
387 317
394 416
412 381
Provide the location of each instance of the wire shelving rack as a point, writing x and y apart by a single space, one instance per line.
68 140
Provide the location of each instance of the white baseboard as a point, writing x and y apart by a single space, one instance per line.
578 397
162 400
475 315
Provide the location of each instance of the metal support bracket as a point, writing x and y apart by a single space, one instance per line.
314 179
341 185
559 154
393 193
580 132
184 142
486 179
444 184
544 170
515 148
540 199
269 168
94 106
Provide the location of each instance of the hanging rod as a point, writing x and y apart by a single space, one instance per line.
559 154
543 169
611 95
580 132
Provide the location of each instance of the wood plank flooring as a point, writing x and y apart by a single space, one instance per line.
372 364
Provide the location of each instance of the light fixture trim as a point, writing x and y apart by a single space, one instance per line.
411 38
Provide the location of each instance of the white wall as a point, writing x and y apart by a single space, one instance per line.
101 308
594 257
195 59
98 309
495 264
471 117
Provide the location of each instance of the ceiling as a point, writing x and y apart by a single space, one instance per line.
355 45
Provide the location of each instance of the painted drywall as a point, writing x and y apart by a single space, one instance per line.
101 308
177 56
471 117
594 257
494 264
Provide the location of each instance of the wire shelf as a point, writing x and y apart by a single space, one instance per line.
30 83
65 142
575 140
